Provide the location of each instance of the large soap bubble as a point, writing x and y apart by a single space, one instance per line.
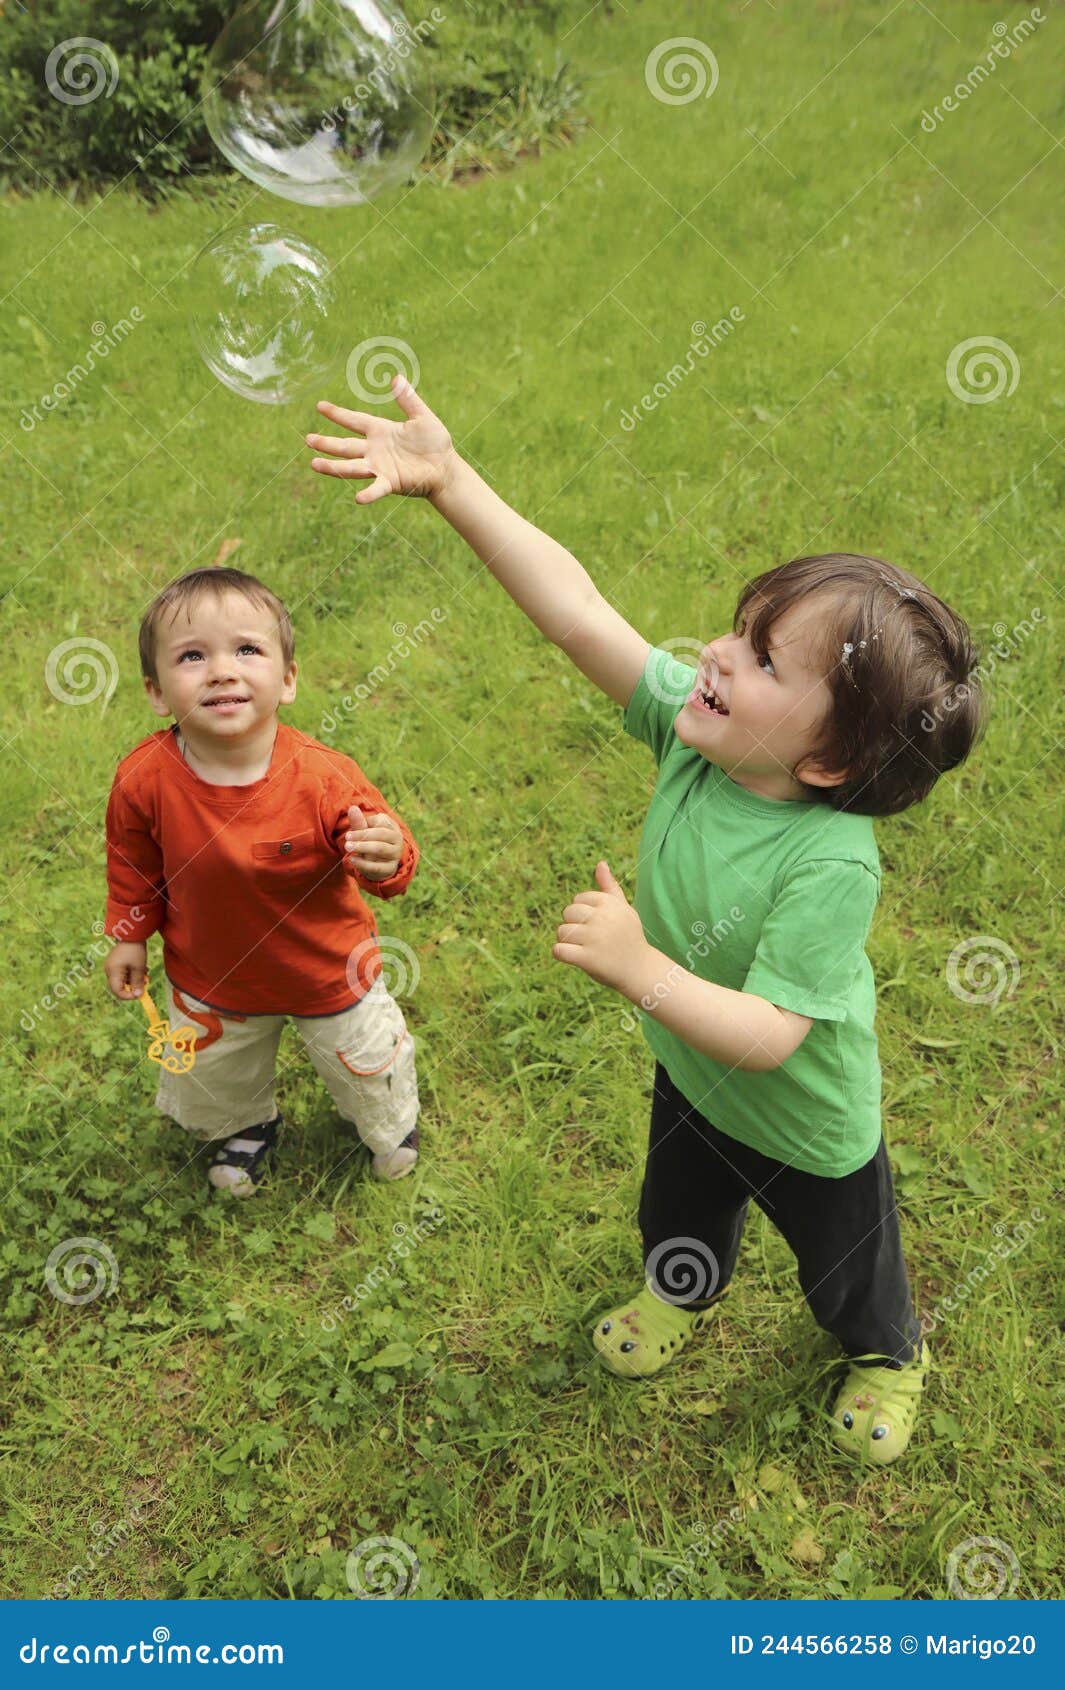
262 308
322 101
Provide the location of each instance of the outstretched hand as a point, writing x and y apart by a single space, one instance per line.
601 932
414 457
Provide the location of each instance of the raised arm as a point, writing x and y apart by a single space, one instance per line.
416 457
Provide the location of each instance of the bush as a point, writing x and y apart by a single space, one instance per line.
149 128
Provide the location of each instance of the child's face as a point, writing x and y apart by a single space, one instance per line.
217 649
775 704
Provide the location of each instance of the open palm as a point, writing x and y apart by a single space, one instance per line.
398 457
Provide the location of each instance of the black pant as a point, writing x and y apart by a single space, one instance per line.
844 1232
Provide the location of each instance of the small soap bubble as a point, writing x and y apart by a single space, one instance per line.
327 102
263 313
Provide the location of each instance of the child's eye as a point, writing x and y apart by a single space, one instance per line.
765 658
248 645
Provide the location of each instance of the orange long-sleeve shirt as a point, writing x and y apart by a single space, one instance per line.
259 909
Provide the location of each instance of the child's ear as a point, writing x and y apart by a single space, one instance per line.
155 698
815 774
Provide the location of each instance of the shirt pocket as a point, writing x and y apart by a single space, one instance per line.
293 858
284 850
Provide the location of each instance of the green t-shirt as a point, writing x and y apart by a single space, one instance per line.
770 897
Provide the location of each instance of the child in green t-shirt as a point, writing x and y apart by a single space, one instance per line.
842 693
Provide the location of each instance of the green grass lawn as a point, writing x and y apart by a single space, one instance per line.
211 1427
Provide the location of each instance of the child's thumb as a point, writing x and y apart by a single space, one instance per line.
606 881
356 817
407 399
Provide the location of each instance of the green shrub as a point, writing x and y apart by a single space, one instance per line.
149 129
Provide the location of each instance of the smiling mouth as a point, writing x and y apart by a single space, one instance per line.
709 700
210 703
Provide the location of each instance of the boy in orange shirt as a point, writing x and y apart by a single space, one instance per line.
249 845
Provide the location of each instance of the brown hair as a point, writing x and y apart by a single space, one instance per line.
211 582
899 663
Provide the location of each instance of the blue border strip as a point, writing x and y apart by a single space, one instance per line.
510 1644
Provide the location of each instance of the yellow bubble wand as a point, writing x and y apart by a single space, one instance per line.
182 1040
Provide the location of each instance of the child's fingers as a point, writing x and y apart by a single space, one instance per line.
390 835
570 934
368 494
566 953
577 912
360 420
377 871
344 470
358 467
339 448
379 830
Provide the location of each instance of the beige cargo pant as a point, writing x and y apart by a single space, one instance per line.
365 1055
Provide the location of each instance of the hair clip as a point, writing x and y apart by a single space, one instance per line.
903 592
845 659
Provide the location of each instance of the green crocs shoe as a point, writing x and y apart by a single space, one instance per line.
643 1336
874 1413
